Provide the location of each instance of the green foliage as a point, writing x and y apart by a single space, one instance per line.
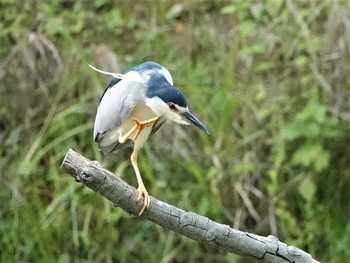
269 79
314 125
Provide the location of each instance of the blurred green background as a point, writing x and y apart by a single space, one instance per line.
270 79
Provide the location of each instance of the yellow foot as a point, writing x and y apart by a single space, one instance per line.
141 125
147 201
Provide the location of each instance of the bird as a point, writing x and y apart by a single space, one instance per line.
135 104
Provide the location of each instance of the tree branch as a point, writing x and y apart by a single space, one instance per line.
199 228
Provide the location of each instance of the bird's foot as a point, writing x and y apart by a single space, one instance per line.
147 200
140 125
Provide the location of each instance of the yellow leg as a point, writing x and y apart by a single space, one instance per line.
123 139
138 127
141 187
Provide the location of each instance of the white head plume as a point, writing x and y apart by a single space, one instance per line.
115 75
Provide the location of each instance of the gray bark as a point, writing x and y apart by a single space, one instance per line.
199 228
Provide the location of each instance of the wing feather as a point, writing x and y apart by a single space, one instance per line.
157 125
115 106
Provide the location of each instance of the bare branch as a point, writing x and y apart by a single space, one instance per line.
194 226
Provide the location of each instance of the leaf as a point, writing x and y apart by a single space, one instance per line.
301 61
254 49
292 131
264 66
229 9
322 161
312 154
306 153
314 111
299 129
307 189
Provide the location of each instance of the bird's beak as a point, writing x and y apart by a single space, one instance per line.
192 119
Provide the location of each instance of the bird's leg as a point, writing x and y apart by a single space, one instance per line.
138 127
122 139
141 187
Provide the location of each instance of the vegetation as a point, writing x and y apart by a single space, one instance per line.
270 79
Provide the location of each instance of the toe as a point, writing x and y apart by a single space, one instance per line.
146 202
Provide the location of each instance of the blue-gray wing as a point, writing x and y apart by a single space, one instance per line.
116 104
157 125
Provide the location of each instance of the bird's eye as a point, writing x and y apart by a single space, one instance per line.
172 106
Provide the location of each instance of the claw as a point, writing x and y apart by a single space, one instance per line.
147 201
137 128
141 125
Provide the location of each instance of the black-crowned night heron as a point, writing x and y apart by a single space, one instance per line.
134 105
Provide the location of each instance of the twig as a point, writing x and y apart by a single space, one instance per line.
194 226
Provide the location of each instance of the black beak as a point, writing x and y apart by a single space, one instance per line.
192 119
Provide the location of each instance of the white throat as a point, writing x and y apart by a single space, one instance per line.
162 109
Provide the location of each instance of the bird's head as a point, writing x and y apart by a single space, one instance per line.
165 99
